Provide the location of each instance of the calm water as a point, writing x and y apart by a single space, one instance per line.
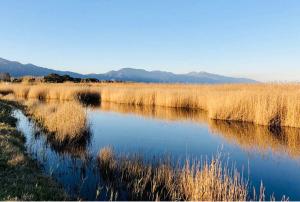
269 156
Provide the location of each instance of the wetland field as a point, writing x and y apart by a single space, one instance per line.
130 141
173 100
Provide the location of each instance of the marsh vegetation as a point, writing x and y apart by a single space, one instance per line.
63 113
206 180
66 122
20 176
189 140
274 105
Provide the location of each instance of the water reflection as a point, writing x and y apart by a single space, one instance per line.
176 132
70 165
261 138
248 136
164 113
76 149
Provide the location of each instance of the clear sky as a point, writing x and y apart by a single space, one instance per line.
259 39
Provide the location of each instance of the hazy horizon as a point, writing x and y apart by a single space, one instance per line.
249 38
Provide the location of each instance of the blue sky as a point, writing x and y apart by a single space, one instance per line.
259 39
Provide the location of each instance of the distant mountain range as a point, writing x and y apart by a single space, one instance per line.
17 69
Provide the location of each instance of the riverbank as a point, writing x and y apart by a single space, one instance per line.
20 176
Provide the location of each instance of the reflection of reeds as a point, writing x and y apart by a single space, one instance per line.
67 121
165 113
263 104
160 181
261 138
247 135
77 149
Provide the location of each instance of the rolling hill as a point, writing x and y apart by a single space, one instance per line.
17 69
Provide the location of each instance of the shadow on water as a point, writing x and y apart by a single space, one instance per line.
89 98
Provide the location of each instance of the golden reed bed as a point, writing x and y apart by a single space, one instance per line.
67 122
263 104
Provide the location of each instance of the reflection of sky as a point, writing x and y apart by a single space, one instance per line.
150 136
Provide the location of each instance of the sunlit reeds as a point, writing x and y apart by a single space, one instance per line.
66 121
66 92
264 104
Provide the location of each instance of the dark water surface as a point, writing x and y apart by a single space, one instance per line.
271 156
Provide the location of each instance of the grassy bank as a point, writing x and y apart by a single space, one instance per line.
20 177
273 105
195 181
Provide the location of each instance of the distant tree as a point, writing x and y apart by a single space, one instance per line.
5 77
53 78
56 78
90 80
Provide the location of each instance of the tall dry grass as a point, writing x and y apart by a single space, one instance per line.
66 121
263 104
61 92
195 181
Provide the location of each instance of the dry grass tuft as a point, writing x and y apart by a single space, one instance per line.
18 159
67 121
209 181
